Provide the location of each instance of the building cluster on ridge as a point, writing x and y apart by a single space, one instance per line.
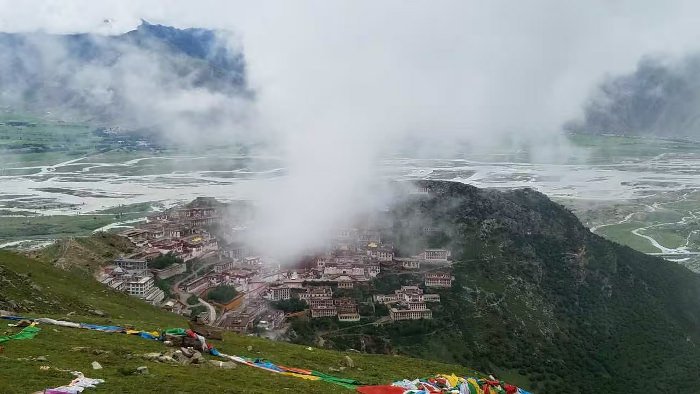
356 257
353 257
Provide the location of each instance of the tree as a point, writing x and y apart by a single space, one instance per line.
164 261
290 306
192 300
222 294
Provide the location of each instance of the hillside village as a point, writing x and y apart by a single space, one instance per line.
205 254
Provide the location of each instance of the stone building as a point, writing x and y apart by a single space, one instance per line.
438 279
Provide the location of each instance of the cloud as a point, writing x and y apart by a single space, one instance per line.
660 98
341 84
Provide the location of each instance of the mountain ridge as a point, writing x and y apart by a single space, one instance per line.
537 294
120 79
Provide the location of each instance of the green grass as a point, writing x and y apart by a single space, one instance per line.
57 226
86 253
608 149
41 141
75 291
141 207
667 237
622 233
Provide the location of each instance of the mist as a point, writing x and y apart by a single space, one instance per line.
340 85
132 81
661 97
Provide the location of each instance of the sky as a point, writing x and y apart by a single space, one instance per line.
337 82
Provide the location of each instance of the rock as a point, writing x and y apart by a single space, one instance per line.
96 365
151 356
97 312
70 313
40 358
333 369
190 342
166 359
142 370
97 352
197 358
250 348
23 323
79 349
176 340
223 364
349 362
187 351
309 348
168 343
181 358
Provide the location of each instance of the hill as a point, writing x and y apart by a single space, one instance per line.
87 253
38 289
537 294
537 299
660 98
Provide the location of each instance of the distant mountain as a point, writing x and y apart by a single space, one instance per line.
152 71
660 98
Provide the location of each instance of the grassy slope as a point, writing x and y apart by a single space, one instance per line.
57 226
77 292
85 252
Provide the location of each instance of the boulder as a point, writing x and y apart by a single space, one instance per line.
142 370
96 365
